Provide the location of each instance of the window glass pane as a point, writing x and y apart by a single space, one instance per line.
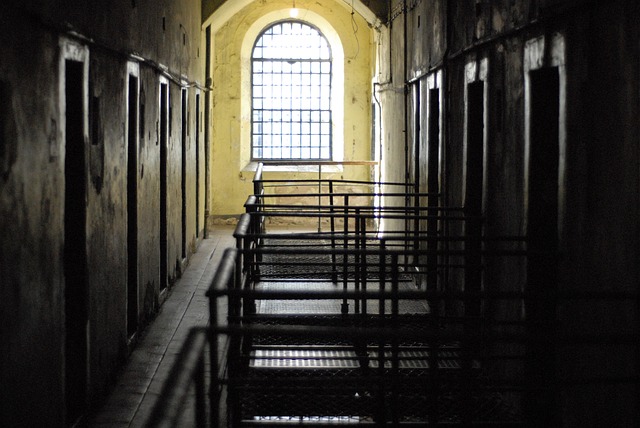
291 83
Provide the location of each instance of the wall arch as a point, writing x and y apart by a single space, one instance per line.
337 87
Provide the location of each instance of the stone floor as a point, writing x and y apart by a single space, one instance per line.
140 382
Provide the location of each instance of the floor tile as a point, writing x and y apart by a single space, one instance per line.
141 380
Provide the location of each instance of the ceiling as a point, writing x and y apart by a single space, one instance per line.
374 11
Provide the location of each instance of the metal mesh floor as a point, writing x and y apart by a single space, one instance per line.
348 359
327 307
307 380
305 264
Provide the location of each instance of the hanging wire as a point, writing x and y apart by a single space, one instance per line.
354 26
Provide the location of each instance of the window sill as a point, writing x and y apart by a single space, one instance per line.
293 167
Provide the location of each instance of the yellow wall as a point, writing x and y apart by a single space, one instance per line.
231 171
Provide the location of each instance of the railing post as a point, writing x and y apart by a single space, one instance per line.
357 262
364 263
380 414
257 181
395 363
333 231
432 246
345 255
433 384
416 229
319 198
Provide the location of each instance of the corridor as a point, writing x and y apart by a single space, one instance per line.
141 380
131 133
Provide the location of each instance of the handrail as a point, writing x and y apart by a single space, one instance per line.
349 194
455 268
259 183
317 162
258 189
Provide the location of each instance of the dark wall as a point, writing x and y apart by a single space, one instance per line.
163 39
598 182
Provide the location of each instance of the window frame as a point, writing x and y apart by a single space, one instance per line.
324 140
243 141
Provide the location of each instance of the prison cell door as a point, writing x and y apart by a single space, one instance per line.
75 241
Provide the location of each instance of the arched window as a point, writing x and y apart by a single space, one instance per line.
291 76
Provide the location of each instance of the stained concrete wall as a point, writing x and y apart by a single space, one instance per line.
163 38
599 187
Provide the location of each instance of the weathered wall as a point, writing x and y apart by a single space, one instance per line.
390 87
165 38
30 217
231 169
599 192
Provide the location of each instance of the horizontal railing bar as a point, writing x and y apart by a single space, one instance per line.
419 295
390 252
347 208
351 210
349 194
381 333
281 162
387 236
365 216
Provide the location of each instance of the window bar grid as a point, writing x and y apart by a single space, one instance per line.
291 94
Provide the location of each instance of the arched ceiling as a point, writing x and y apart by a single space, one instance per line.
217 12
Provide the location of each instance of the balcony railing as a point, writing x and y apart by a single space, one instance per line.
358 324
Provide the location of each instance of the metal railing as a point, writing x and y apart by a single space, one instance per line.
393 327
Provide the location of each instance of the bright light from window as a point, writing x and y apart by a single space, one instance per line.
291 93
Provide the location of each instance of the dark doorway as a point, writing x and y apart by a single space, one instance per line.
542 235
164 130
183 185
197 131
474 176
433 185
416 160
207 124
416 135
75 251
433 144
132 208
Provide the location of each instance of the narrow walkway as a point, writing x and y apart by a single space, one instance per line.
141 380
